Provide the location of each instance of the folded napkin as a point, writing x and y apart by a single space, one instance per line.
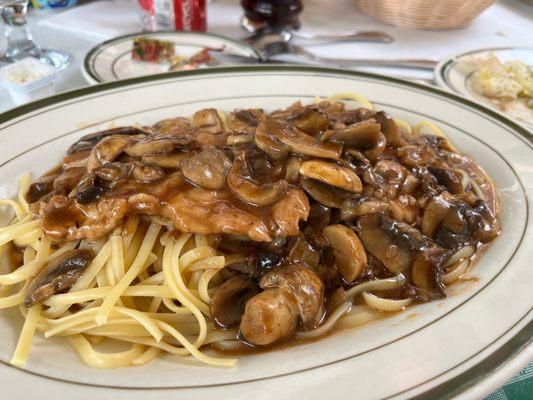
104 19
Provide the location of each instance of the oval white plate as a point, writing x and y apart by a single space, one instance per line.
111 60
466 344
453 75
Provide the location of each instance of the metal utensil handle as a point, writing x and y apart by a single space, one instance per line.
417 63
364 36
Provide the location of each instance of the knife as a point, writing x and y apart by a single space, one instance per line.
228 58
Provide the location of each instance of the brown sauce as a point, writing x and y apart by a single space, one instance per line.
274 188
14 256
293 341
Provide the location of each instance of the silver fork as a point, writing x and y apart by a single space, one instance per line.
272 49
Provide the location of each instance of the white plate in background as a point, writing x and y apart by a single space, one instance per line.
453 75
111 60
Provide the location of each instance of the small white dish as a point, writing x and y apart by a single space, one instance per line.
454 75
111 60
28 79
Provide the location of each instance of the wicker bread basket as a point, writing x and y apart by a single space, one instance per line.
424 14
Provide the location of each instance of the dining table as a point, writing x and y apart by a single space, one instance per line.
507 23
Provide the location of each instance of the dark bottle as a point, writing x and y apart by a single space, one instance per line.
260 14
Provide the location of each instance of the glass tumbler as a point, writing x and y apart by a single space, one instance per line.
20 42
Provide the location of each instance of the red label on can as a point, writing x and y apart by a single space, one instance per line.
189 15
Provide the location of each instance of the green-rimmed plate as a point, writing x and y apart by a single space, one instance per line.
111 60
456 75
464 345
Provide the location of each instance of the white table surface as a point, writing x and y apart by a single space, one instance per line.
507 23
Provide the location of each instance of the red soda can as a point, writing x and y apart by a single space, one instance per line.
173 15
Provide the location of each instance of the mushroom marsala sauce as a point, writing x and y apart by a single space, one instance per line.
319 198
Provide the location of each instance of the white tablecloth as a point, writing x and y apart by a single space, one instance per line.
77 30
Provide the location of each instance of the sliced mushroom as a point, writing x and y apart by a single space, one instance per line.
404 208
262 167
288 112
352 209
229 300
207 169
208 120
326 195
239 140
292 170
332 108
393 243
389 172
147 173
271 145
400 248
108 150
349 117
68 180
298 141
356 161
150 146
303 252
269 317
319 218
78 159
428 183
443 209
448 178
245 121
426 273
364 135
112 172
173 126
483 222
169 161
88 190
388 177
410 183
311 121
253 193
332 174
361 134
452 223
350 255
306 287
58 275
39 189
390 129
87 142
327 134
414 155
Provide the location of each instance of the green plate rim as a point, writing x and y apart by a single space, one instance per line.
88 57
442 70
32 106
